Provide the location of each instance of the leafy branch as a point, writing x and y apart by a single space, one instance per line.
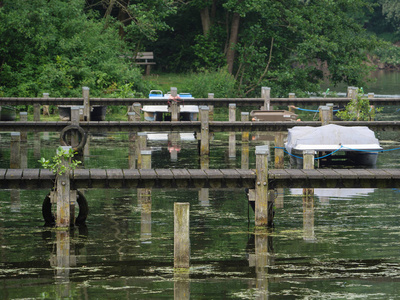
57 163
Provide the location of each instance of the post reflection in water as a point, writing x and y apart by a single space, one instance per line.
308 215
65 258
262 258
144 202
181 285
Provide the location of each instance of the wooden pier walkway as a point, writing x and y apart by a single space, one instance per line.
209 178
217 102
184 126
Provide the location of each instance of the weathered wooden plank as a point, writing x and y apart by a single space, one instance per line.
46 174
363 173
329 174
198 178
246 174
346 174
115 178
164 174
213 173
182 177
230 173
14 174
2 173
148 174
130 174
30 174
313 174
165 178
131 177
394 173
81 174
278 174
380 174
98 178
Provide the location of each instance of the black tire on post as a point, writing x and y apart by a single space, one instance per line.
50 219
80 130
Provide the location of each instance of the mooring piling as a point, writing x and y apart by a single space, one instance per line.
266 95
181 235
174 107
63 187
86 103
232 135
261 188
15 148
205 139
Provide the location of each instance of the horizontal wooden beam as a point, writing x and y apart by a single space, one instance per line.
195 178
217 102
184 126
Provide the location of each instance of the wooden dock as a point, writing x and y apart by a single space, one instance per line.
210 178
184 126
217 102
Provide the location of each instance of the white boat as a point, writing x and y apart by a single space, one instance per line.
162 113
354 145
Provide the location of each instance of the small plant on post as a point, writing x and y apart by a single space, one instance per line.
61 165
358 109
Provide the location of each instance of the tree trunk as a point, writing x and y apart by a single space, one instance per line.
230 55
205 20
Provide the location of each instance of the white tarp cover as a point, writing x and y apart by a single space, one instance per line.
331 137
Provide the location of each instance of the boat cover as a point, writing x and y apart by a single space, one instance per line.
331 137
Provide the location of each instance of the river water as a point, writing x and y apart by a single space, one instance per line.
343 245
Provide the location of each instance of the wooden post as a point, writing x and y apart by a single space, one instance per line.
266 95
141 145
308 159
211 107
245 143
131 116
146 159
245 116
292 95
46 108
74 121
325 113
308 199
136 109
63 195
205 141
174 108
261 189
15 148
232 135
132 150
23 117
181 235
86 104
279 153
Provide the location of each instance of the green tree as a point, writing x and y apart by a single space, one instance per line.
55 46
283 44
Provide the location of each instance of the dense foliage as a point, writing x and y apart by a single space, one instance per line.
58 46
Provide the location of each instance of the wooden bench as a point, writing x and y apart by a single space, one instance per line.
142 58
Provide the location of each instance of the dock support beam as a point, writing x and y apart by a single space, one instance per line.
261 206
266 95
15 148
279 153
211 107
181 235
174 105
205 139
86 103
245 143
326 115
63 195
232 135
